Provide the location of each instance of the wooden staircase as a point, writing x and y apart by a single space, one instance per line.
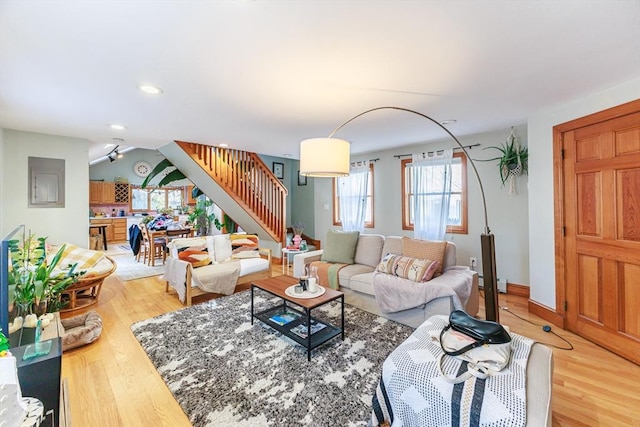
246 179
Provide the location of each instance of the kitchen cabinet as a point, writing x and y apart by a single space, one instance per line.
95 192
119 229
116 230
108 193
188 197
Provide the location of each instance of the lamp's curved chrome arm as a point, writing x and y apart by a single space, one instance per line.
484 202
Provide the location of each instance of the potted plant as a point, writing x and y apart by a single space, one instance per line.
513 160
201 219
35 283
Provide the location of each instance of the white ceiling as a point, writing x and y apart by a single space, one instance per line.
263 75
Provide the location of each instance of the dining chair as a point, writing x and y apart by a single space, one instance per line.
149 254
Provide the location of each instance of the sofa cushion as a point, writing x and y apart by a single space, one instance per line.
392 245
340 246
346 273
362 283
72 254
425 249
253 265
222 247
417 270
369 249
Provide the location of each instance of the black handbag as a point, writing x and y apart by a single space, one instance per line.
483 331
484 345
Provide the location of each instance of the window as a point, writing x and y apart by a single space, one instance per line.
457 204
368 221
155 199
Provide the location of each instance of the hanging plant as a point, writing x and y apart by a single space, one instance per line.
513 161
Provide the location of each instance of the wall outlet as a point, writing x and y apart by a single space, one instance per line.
473 262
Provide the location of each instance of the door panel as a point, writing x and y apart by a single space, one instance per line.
601 175
628 199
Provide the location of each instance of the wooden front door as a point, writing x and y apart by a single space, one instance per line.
600 166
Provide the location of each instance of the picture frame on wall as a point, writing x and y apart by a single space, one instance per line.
302 179
278 170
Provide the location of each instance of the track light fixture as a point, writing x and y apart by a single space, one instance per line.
113 154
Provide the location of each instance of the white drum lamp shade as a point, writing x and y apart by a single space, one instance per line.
324 157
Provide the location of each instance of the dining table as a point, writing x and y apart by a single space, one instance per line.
167 235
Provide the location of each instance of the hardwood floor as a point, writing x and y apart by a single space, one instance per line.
112 382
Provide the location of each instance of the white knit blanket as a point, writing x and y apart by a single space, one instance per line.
218 278
412 392
396 294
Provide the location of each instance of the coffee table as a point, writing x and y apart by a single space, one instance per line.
293 317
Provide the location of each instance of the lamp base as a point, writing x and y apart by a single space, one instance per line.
489 277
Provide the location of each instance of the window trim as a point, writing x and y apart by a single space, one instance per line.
336 202
150 189
452 229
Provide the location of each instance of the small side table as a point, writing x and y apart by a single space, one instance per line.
285 255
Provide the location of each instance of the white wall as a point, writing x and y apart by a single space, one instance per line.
508 214
540 128
68 224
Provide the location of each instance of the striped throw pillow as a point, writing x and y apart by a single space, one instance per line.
417 270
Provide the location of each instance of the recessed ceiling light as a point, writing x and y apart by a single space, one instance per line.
116 126
153 90
223 145
448 122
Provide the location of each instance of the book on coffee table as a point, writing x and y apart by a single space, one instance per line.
284 318
301 329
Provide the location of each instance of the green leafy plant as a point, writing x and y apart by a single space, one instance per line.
512 156
35 284
174 175
201 219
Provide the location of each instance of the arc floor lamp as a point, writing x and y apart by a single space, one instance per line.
329 157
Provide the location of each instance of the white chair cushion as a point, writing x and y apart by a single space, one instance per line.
222 247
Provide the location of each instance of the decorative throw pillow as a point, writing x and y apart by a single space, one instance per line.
222 245
180 244
86 258
425 249
340 246
198 257
244 243
417 270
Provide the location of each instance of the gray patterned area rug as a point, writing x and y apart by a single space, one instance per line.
223 371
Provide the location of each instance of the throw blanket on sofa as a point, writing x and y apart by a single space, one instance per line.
328 273
397 294
218 278
411 391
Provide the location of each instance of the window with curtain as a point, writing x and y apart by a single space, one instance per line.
457 218
354 198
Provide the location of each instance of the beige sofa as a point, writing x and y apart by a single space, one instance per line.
357 280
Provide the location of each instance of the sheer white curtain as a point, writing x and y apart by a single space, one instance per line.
431 188
352 193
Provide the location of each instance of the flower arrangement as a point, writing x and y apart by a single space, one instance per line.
298 228
35 284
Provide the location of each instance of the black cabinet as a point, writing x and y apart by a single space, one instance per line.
40 378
